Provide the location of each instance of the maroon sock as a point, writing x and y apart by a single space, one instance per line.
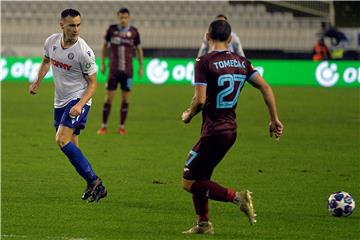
106 112
201 207
123 112
212 190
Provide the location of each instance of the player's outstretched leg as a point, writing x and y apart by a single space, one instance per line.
244 200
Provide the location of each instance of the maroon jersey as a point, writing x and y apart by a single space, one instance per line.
122 42
224 73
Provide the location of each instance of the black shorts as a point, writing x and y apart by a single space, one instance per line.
206 155
119 77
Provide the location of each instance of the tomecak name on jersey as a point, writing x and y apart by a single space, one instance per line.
69 67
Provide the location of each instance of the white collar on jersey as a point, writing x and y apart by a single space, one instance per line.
225 50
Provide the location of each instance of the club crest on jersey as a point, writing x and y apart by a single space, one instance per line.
71 56
128 34
54 48
88 53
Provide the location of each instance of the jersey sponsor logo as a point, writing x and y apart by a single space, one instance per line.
119 40
60 64
71 56
229 63
124 34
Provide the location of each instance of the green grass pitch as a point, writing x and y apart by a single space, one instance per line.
291 179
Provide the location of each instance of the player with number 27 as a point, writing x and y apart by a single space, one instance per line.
219 77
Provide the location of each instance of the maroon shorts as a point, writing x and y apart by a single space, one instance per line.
206 154
119 77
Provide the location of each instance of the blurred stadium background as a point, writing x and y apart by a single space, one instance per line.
281 29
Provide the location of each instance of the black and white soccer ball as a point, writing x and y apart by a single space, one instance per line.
341 204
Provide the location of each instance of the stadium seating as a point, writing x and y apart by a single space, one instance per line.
171 24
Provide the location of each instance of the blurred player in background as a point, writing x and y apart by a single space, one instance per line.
121 39
234 46
219 77
74 70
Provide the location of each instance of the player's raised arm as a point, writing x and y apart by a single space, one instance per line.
275 126
197 103
43 70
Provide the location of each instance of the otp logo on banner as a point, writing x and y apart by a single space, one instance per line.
157 71
326 75
167 71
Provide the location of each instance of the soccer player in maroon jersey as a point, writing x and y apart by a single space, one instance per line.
121 39
219 77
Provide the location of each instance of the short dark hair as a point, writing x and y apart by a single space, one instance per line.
70 12
220 30
222 16
123 10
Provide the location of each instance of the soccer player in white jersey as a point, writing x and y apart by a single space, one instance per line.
74 70
234 45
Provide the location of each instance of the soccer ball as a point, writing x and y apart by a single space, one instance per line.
341 204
